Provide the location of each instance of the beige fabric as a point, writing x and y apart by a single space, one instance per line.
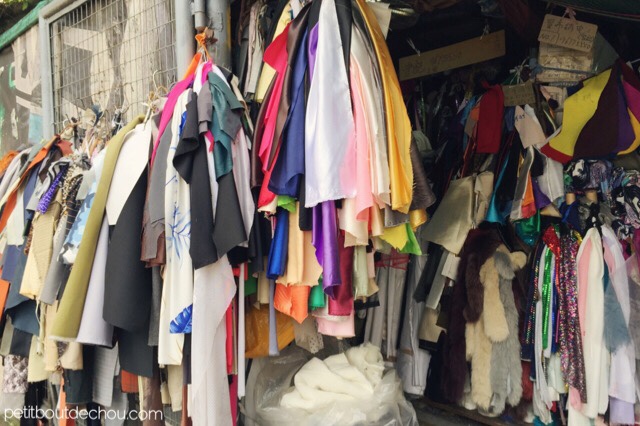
464 205
302 264
36 371
174 383
39 258
429 329
7 336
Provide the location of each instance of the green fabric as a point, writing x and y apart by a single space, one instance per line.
69 314
250 286
20 27
360 272
412 246
287 203
316 297
225 123
529 229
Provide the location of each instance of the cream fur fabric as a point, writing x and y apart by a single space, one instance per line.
493 339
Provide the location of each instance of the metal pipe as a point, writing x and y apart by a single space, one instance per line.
199 15
47 14
219 14
185 46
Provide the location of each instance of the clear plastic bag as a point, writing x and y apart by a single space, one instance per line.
386 406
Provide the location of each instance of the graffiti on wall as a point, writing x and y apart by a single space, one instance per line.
20 93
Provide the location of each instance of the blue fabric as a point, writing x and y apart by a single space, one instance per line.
493 213
183 322
289 167
22 309
279 245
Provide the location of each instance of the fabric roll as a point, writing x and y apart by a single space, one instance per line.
94 330
68 321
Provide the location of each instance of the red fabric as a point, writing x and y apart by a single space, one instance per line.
229 344
342 303
555 155
129 382
233 397
276 56
489 126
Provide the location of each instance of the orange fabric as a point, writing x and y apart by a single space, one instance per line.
6 160
13 197
4 291
257 332
129 382
292 300
193 65
62 405
529 201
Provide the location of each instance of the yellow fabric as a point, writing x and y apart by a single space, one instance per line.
417 218
267 73
302 264
396 236
67 321
636 131
41 251
578 110
397 120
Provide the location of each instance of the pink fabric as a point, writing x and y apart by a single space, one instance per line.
233 398
633 99
167 112
583 281
364 196
342 328
276 56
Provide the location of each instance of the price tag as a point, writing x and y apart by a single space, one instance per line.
519 94
569 33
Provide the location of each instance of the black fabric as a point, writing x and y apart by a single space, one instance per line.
260 238
343 10
135 355
20 343
186 360
127 292
78 384
33 399
305 215
428 273
190 161
228 230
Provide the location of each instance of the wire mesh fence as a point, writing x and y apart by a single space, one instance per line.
111 54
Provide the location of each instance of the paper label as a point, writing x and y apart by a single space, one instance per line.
569 33
457 55
519 94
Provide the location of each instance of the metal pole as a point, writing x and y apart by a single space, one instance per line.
199 15
219 15
185 46
47 14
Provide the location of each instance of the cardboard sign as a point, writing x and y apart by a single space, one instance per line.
519 94
457 55
568 33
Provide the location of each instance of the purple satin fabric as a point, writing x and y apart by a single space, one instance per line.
625 131
325 240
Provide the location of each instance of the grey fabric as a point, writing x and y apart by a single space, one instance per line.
55 274
156 296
